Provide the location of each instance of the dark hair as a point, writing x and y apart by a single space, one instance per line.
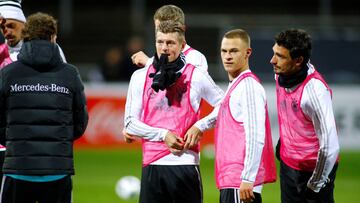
297 41
39 26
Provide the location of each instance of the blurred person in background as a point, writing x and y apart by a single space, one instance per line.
110 67
43 111
163 102
174 13
134 45
308 147
116 65
244 155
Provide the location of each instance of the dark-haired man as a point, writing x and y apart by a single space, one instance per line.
308 147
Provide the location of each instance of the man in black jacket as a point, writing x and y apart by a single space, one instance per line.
42 112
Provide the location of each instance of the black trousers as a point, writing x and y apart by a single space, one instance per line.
2 156
231 195
293 185
19 191
171 184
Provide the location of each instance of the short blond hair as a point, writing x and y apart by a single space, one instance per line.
170 26
170 12
238 33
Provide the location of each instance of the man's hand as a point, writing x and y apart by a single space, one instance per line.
174 143
246 192
139 59
192 137
127 137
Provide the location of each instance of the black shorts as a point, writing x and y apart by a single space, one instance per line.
175 184
19 191
231 195
293 185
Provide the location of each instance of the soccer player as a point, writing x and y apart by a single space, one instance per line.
163 101
308 145
174 13
244 158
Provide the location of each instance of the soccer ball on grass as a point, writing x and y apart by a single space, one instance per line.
128 187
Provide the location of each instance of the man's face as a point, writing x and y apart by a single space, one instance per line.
168 43
11 30
282 61
234 55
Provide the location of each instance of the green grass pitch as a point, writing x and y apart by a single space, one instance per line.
98 170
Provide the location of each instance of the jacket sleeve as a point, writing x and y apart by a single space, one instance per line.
2 112
80 113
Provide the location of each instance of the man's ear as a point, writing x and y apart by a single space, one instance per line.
248 52
183 45
299 61
53 38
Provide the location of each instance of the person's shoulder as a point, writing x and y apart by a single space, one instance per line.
316 84
191 52
69 67
253 81
140 73
149 61
199 71
202 77
15 66
195 57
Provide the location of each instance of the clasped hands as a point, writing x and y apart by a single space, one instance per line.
175 143
178 145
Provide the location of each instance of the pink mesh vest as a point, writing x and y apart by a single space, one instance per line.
4 56
170 109
230 147
4 60
299 143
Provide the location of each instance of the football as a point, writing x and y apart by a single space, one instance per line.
128 187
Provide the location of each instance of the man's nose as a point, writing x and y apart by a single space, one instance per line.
273 60
228 56
164 47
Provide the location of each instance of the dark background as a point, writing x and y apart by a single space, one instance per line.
87 28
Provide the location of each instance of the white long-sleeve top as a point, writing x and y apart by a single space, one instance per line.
202 87
316 104
247 102
195 58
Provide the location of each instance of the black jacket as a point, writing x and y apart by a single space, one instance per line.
42 111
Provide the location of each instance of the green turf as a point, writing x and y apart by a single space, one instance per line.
98 170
